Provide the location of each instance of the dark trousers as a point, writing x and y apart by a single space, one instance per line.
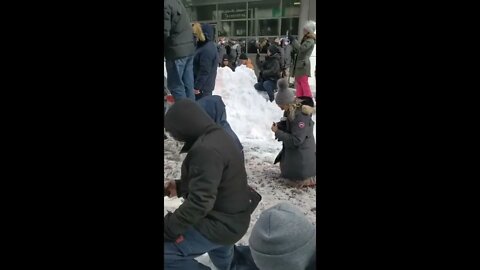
268 86
180 256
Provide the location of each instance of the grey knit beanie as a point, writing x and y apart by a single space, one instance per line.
284 95
283 239
310 26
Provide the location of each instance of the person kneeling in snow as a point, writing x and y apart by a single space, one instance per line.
298 156
215 108
270 72
217 208
282 239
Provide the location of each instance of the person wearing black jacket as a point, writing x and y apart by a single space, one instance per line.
270 71
205 63
178 49
216 211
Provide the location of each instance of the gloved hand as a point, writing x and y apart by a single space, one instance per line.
291 38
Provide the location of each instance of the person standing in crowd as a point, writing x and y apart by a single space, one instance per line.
281 239
287 54
235 52
244 60
295 131
179 49
221 50
205 63
301 67
269 71
216 211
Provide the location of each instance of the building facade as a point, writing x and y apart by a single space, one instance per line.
251 21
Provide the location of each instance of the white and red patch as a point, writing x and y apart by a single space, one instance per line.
301 125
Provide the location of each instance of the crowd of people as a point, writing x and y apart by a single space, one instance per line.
218 201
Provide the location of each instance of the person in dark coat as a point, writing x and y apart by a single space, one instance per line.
205 63
221 51
216 211
179 49
295 131
269 71
215 108
281 239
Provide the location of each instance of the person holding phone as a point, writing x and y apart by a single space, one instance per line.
298 155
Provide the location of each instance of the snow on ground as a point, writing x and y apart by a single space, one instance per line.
251 117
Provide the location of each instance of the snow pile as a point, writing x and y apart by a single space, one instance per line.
248 113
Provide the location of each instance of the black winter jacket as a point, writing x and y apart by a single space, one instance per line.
205 62
270 68
177 33
213 178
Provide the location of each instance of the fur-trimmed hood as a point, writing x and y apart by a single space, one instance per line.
197 31
308 110
310 35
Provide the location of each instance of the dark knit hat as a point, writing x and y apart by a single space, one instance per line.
284 95
243 56
225 57
283 239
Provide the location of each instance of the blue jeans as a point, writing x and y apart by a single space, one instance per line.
180 256
180 77
268 86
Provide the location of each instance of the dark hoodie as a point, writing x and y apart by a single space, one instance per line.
213 178
215 108
205 62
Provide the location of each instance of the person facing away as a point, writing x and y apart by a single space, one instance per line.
244 60
281 239
221 51
205 63
298 155
301 66
269 71
179 49
216 211
215 108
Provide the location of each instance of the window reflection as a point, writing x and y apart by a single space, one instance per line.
268 27
290 25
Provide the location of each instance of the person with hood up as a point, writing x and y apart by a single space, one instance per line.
205 62
215 108
179 49
301 66
217 207
298 155
281 239
269 71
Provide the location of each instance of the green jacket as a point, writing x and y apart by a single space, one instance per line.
303 51
177 32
